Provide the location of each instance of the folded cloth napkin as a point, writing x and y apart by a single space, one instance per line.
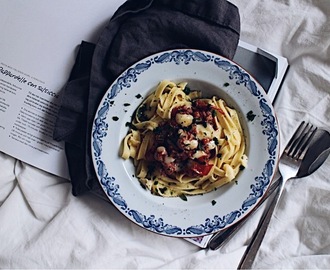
136 30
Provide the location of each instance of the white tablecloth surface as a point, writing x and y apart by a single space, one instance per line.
43 226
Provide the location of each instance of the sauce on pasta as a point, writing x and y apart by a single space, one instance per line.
183 144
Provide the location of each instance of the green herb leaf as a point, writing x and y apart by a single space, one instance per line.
250 116
187 90
183 197
130 125
216 141
163 190
141 113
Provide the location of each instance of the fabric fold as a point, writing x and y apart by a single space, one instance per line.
136 30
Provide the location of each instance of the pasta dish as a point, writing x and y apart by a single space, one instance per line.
183 144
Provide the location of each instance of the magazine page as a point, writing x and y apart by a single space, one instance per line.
31 78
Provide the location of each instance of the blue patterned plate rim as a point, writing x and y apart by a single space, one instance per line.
199 215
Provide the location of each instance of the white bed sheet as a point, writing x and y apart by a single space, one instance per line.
43 226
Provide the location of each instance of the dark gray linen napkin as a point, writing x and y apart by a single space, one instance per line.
136 30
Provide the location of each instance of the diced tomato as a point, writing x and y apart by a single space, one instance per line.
203 159
197 114
205 141
200 169
201 104
219 110
174 111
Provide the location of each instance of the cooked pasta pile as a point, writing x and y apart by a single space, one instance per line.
182 143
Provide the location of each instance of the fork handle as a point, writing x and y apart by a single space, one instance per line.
253 247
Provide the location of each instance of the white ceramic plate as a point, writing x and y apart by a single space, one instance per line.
199 215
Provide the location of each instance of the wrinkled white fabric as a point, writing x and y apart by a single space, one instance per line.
298 235
43 226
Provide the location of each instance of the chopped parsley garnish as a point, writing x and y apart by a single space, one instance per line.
250 116
214 202
143 186
157 130
200 145
130 125
226 84
127 104
115 118
138 96
151 169
183 197
140 113
163 190
187 90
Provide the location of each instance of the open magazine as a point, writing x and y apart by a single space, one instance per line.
32 75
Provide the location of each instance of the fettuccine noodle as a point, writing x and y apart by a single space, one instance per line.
182 143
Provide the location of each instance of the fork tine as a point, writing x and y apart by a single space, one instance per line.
302 152
300 144
295 137
300 140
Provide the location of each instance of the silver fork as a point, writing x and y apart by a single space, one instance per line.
289 165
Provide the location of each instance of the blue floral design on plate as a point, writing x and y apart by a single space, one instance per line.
235 74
